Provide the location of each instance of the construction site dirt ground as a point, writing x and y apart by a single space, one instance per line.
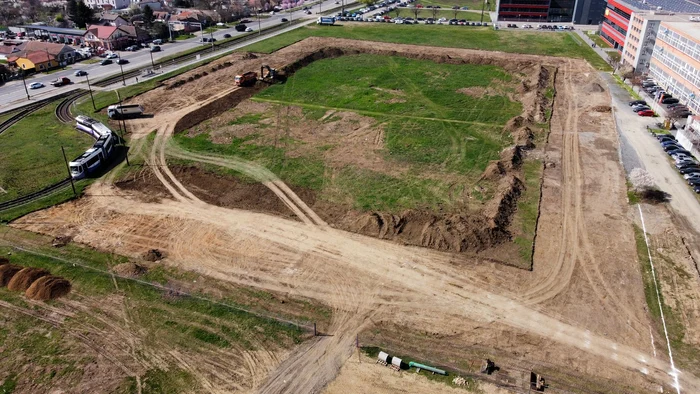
579 316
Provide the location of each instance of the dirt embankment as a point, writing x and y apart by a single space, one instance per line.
459 230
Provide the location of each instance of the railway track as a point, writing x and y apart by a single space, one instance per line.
63 108
47 191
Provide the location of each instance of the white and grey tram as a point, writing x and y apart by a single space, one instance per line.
100 153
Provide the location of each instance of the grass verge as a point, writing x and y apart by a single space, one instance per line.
59 197
442 13
561 44
598 40
528 209
628 88
686 355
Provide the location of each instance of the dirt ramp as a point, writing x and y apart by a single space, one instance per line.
48 288
7 271
25 277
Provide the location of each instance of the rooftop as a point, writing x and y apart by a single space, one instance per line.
57 30
679 6
691 29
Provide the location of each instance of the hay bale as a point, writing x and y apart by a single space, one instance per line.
7 271
48 288
25 277
129 270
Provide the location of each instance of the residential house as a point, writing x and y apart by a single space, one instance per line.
155 5
161 16
136 33
34 61
108 37
63 53
7 50
55 34
112 19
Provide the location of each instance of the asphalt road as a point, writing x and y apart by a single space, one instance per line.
13 93
640 149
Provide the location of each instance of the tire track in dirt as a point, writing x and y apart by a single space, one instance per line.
560 274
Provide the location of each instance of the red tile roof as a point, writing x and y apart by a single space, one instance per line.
102 32
39 57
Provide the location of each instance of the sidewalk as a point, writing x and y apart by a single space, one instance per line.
597 49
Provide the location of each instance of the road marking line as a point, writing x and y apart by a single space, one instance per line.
674 371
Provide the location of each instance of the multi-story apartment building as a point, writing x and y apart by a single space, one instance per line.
641 37
619 13
675 61
552 11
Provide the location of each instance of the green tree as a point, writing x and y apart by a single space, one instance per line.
85 15
148 16
160 30
72 10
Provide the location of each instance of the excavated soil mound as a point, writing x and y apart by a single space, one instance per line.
48 288
130 270
7 271
153 255
602 108
25 277
594 88
61 241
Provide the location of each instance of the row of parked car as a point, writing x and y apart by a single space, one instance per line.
673 106
683 160
542 27
641 108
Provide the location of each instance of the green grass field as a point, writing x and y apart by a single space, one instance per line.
434 129
472 4
31 153
599 41
529 42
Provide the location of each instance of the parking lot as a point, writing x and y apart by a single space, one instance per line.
640 149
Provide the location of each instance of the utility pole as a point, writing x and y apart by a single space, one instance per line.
25 85
152 64
68 169
122 69
482 10
126 153
211 34
90 90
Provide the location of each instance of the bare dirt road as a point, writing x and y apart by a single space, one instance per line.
583 300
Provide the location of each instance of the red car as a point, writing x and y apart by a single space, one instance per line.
646 112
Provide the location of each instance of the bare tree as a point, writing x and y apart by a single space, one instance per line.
416 10
435 11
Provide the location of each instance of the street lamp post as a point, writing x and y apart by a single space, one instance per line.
152 64
259 28
90 90
25 85
482 10
122 70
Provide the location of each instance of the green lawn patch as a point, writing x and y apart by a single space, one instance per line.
471 4
31 150
528 208
92 60
182 37
429 125
529 42
598 40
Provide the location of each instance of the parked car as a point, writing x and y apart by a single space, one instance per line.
122 61
158 42
646 112
637 102
676 151
671 146
696 189
36 85
105 62
227 35
155 48
284 20
112 55
689 169
248 29
694 181
676 105
665 137
687 163
80 73
640 107
691 175
669 100
682 114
